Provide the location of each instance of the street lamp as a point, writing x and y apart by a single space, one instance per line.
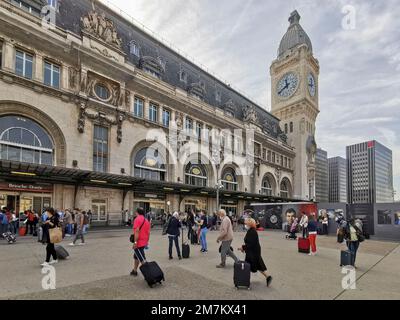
168 204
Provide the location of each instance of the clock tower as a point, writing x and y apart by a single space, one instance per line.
295 94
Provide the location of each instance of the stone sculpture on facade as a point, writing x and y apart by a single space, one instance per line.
102 28
250 114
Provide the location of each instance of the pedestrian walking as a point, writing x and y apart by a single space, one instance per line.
226 238
354 236
79 220
141 236
68 223
312 234
13 223
51 223
304 224
252 248
203 225
173 232
325 224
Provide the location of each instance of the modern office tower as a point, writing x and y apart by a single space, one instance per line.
337 168
369 173
321 176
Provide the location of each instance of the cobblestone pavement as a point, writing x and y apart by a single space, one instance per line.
100 270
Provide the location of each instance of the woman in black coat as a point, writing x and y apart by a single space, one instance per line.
252 249
173 231
51 222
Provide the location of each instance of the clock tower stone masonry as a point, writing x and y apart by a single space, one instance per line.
295 96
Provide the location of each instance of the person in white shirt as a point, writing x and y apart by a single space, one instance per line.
304 224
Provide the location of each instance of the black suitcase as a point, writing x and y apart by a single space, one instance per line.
346 258
62 254
10 238
194 239
242 275
152 273
185 249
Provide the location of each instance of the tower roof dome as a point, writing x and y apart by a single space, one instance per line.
294 36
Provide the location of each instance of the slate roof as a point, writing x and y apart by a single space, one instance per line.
70 13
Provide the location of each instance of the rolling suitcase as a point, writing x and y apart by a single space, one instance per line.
242 275
152 273
62 254
346 258
185 249
304 245
10 238
194 239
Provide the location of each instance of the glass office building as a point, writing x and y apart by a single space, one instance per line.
370 173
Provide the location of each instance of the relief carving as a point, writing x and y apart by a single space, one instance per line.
250 114
102 28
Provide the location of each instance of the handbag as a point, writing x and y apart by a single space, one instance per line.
132 237
55 235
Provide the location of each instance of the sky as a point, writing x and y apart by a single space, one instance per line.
356 42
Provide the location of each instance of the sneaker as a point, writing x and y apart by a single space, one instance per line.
269 281
45 264
53 262
82 244
170 258
134 273
72 244
221 266
68 235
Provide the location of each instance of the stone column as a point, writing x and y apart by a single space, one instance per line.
146 108
9 57
64 85
38 67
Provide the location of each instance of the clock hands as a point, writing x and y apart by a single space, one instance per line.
284 88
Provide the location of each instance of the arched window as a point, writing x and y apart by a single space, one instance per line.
22 139
149 164
285 189
229 180
266 188
196 175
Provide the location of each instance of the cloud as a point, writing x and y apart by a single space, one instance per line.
238 40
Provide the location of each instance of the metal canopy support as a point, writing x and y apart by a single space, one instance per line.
124 194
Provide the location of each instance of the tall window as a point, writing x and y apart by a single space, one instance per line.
153 112
100 149
23 140
207 133
229 180
51 75
23 64
149 164
285 189
199 129
189 125
286 128
195 175
52 3
291 127
166 119
138 107
134 49
266 188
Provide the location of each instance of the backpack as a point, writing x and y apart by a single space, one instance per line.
85 219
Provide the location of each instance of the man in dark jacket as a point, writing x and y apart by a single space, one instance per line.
173 232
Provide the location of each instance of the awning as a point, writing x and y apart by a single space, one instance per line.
13 171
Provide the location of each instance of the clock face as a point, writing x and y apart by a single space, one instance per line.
312 86
287 86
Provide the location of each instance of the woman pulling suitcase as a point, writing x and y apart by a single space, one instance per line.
252 249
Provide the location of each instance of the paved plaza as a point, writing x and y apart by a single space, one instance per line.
100 270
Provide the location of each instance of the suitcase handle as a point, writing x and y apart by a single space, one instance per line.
137 250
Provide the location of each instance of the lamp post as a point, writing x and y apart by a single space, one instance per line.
219 187
168 205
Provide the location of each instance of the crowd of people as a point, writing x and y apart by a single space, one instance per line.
74 223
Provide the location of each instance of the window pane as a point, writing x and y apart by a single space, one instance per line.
19 64
28 67
14 154
56 77
27 156
47 74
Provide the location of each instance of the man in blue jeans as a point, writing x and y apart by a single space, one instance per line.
203 224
